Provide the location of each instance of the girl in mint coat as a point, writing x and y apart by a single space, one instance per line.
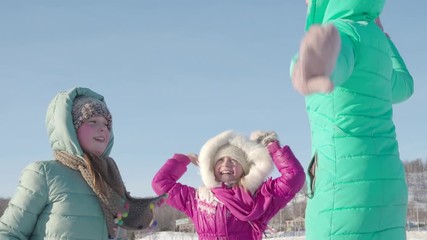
351 74
80 194
237 200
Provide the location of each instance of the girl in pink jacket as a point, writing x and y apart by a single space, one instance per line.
237 200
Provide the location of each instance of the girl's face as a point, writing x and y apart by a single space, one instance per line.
228 170
93 135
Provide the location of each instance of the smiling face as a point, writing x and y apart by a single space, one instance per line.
228 170
93 135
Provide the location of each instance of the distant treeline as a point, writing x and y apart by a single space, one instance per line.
416 176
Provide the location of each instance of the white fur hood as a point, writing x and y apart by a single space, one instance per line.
258 157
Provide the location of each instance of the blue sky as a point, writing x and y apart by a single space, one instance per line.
174 74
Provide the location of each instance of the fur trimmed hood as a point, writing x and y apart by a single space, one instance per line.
257 156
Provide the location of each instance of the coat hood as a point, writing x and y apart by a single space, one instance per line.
59 122
322 11
260 163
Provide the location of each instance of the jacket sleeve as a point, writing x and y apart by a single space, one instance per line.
279 191
402 82
180 196
31 197
292 173
345 62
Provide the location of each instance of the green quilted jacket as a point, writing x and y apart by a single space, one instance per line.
356 179
53 201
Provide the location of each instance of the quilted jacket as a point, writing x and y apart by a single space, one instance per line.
227 217
53 201
356 179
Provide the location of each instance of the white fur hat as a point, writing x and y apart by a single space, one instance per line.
256 162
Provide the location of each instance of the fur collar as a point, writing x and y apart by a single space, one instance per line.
258 157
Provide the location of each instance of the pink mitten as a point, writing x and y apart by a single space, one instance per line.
317 58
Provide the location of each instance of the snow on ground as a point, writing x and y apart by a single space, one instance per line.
412 235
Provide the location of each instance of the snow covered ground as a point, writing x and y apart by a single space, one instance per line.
412 235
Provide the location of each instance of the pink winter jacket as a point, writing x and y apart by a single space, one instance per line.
236 214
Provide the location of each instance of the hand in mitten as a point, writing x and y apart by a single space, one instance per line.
317 58
264 137
194 158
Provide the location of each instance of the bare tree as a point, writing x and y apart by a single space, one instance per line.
416 176
166 217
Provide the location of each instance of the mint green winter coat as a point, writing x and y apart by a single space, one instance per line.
53 201
357 189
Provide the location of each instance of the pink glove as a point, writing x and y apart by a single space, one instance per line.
317 58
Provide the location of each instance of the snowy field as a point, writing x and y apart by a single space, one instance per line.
412 235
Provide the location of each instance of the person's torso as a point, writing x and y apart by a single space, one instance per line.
215 221
359 110
73 210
